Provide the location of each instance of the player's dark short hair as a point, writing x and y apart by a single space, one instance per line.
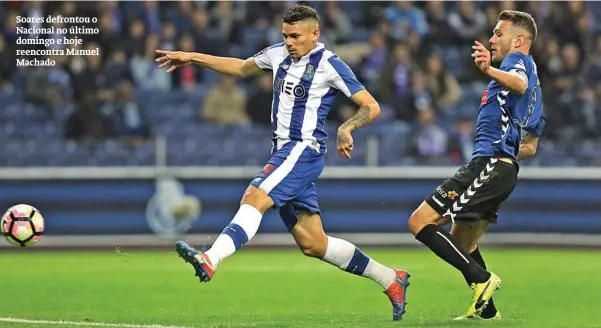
520 19
299 13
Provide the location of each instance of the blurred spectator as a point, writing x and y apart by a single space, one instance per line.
86 122
151 16
464 69
417 99
168 36
373 63
10 27
336 24
228 20
592 68
181 16
128 119
591 113
116 68
431 139
109 35
418 49
566 79
259 100
467 21
189 76
439 30
145 72
7 59
273 34
461 141
136 37
200 34
61 89
38 85
565 16
225 104
403 16
49 88
396 77
443 87
89 77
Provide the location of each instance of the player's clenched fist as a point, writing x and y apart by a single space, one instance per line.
174 59
344 142
481 56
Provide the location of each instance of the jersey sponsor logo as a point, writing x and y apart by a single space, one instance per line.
299 91
438 201
446 194
287 87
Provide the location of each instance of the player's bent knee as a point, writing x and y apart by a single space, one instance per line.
418 221
309 235
312 244
258 199
316 250
423 216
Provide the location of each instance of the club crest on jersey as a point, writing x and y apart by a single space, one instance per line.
484 98
452 194
309 73
267 169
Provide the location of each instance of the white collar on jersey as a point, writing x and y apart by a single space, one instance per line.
316 49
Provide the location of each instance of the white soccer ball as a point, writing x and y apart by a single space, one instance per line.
22 225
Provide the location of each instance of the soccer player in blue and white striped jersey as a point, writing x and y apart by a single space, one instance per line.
306 80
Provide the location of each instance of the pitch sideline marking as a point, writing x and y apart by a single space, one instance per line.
83 324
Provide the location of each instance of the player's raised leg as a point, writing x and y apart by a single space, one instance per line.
467 235
241 229
424 224
307 230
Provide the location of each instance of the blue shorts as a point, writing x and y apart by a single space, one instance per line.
289 176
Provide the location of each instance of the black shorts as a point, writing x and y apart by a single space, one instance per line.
476 191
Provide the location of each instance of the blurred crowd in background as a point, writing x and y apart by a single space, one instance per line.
413 56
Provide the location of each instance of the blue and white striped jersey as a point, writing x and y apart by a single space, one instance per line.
304 91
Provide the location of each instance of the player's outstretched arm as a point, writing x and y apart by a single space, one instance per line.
528 147
512 81
369 109
225 65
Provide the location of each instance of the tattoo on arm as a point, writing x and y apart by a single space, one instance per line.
361 118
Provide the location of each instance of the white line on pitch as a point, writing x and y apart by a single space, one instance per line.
84 324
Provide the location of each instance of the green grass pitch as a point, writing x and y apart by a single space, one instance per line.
264 288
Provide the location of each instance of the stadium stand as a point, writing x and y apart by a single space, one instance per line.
106 110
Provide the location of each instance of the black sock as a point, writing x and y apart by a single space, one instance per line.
490 310
443 244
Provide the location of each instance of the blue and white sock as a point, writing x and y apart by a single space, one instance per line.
351 259
243 228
